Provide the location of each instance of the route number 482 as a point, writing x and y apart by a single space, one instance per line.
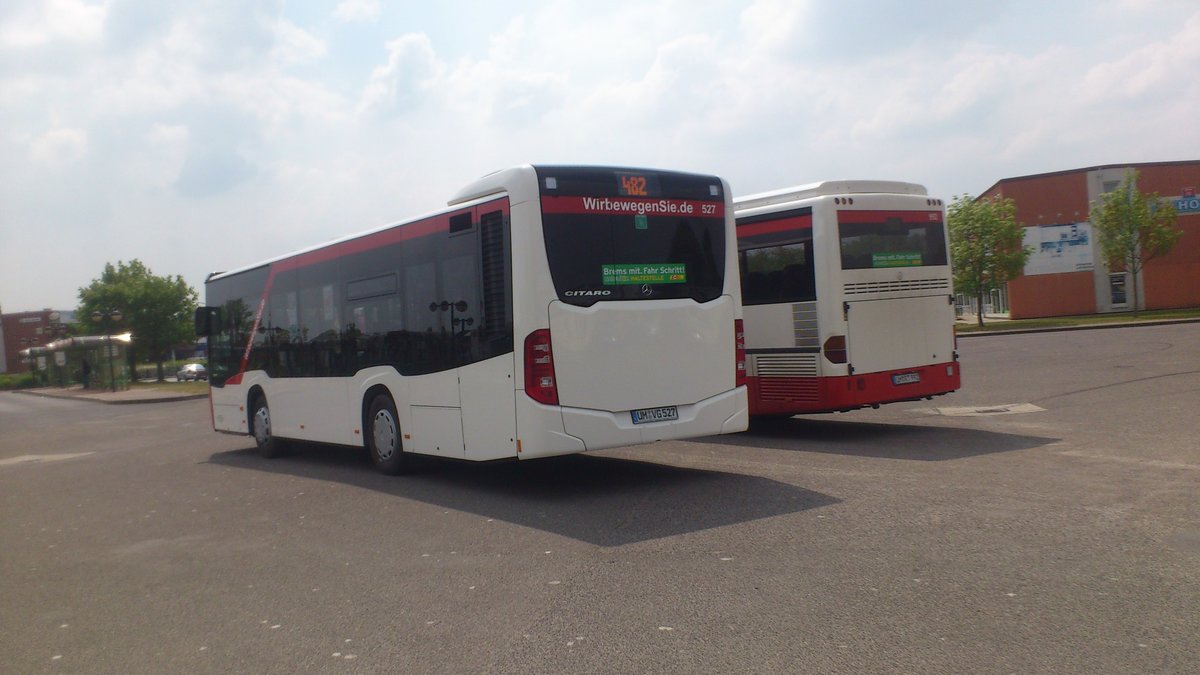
634 186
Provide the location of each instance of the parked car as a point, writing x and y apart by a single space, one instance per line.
192 371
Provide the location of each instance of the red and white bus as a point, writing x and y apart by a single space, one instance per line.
847 296
549 310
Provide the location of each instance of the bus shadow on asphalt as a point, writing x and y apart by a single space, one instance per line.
606 501
880 440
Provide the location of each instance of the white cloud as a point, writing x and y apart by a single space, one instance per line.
282 104
357 10
1156 67
163 73
59 147
400 85
774 24
53 21
293 44
160 155
166 135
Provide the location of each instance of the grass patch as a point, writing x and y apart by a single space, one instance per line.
1070 321
15 381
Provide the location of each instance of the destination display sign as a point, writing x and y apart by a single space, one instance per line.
637 185
896 259
647 273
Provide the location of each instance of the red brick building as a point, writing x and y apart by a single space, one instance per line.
1066 273
27 329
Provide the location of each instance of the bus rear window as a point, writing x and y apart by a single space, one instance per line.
633 236
890 241
774 274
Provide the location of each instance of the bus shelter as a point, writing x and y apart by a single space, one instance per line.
94 361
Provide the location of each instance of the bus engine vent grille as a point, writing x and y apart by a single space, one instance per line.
787 377
904 285
804 324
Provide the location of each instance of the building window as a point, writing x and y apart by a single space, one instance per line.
1110 185
1116 287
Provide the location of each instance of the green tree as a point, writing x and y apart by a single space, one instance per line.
157 310
1133 228
986 245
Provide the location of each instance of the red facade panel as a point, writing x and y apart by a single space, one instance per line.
1168 179
1045 295
1051 199
1173 281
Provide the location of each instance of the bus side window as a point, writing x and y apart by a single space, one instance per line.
799 282
756 287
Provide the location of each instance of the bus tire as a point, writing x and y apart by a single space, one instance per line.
383 436
260 427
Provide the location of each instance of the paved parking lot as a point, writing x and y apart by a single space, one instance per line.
1044 519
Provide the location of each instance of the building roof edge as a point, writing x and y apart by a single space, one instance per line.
1100 167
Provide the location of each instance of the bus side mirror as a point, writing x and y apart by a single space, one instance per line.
205 318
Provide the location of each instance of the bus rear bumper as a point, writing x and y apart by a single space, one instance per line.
797 395
724 413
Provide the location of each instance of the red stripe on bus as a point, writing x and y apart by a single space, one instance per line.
775 226
262 305
392 235
632 206
421 228
915 217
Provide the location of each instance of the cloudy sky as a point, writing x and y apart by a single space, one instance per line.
200 136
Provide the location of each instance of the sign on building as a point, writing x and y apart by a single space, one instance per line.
1187 204
1059 248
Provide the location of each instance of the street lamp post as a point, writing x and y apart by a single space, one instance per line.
56 330
108 319
25 344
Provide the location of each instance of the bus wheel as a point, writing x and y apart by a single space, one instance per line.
383 436
268 445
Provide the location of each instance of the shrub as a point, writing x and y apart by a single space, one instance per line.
16 380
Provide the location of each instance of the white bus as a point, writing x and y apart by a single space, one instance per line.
549 310
847 297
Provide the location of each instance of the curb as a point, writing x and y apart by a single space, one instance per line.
1061 329
95 399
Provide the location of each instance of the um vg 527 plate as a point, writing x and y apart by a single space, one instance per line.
662 414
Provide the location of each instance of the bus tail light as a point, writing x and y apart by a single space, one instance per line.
835 348
739 351
539 368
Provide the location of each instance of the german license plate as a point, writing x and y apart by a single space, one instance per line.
663 414
906 378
